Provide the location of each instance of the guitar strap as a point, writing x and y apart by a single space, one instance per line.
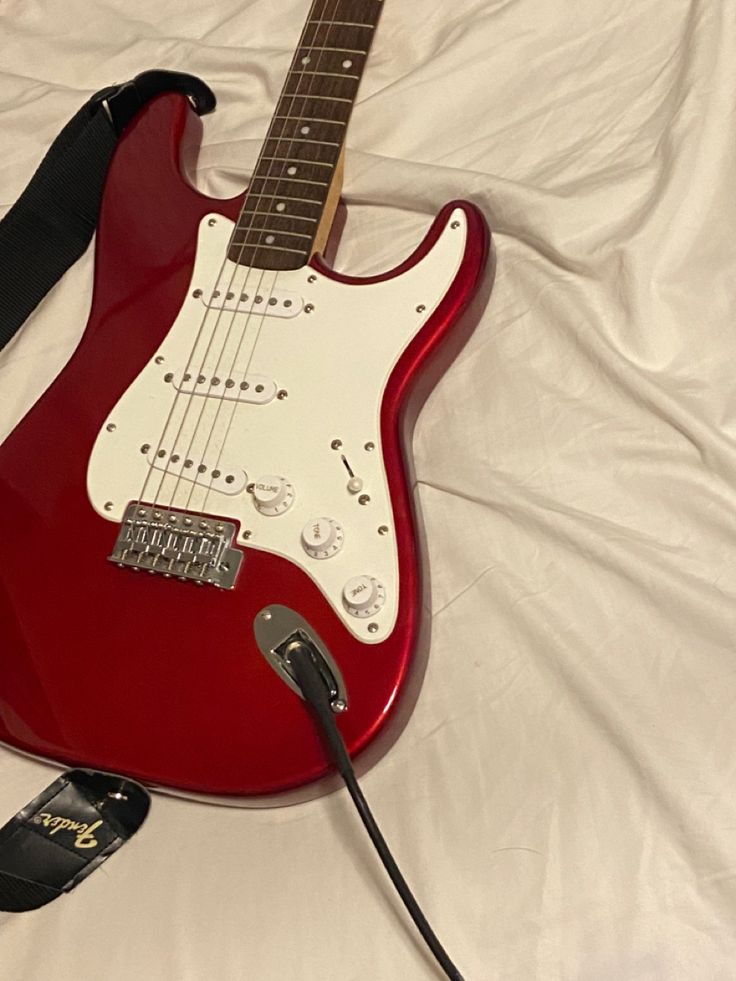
52 222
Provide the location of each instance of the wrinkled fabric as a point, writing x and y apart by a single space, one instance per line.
563 799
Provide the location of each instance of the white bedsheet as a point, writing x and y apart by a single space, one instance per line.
563 798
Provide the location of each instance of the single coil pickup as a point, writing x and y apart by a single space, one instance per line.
266 303
221 477
256 389
177 544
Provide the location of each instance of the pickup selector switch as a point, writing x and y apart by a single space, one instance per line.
322 538
363 596
272 495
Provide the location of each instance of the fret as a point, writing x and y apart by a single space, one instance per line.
295 160
314 119
287 197
268 231
293 139
289 179
325 47
310 95
306 152
328 74
281 214
275 248
340 23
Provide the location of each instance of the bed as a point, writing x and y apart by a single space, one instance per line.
562 798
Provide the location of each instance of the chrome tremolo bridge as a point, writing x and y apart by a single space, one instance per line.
178 545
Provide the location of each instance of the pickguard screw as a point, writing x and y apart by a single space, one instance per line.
281 394
369 447
364 499
383 530
111 427
159 360
338 705
455 224
266 615
421 308
212 221
311 279
196 294
372 628
308 308
246 534
336 444
109 505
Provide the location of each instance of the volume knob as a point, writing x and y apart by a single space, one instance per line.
272 495
322 538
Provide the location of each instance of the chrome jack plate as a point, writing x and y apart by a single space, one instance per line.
275 627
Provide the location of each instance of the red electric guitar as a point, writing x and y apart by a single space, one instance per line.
223 463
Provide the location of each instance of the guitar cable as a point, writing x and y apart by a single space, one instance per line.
302 663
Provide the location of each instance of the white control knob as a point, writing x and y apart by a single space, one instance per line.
363 596
322 538
272 495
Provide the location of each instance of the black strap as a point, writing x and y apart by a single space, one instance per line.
52 222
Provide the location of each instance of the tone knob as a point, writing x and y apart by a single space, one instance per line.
322 538
272 495
363 596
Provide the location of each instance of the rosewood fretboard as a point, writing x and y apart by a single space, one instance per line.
292 178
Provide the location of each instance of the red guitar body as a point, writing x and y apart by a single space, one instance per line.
157 679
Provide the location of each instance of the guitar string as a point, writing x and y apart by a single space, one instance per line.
313 66
221 400
166 471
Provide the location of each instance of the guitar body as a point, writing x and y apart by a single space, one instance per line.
163 680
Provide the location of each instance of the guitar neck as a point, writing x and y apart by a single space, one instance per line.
287 195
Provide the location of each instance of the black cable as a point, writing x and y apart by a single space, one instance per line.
300 659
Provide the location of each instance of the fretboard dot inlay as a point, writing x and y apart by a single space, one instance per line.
347 63
291 171
281 206
304 130
270 239
306 59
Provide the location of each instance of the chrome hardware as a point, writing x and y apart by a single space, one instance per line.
279 303
276 627
421 308
260 389
147 541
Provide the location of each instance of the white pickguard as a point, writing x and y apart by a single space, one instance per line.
332 358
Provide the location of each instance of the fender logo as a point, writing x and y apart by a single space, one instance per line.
82 831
